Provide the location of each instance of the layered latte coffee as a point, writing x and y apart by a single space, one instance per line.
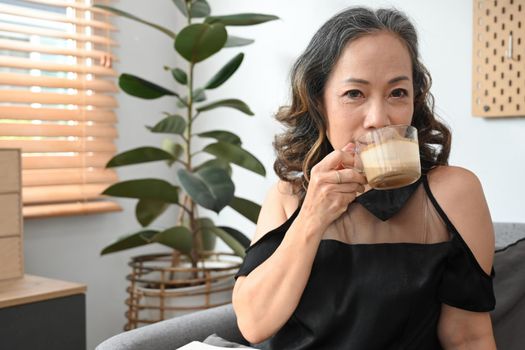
391 159
392 164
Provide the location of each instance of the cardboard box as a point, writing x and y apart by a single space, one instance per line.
11 237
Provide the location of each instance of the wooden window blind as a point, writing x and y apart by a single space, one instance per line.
56 103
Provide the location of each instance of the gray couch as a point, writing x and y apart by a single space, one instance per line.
508 317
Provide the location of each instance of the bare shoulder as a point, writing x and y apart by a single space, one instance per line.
448 178
278 206
459 193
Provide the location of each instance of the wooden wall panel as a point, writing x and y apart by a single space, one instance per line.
498 62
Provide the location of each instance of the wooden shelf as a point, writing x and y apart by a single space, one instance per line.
30 289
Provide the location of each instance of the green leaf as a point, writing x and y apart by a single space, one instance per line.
236 155
181 5
199 95
145 189
199 8
205 227
208 225
225 72
135 18
238 235
172 124
216 163
173 148
209 240
182 105
199 41
232 103
139 155
147 210
222 135
130 241
235 41
209 187
246 208
177 237
139 87
241 19
179 75
230 241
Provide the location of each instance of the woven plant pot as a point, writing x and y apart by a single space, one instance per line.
163 286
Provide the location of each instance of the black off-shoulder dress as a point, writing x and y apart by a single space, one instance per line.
380 276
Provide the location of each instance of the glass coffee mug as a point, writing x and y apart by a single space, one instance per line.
389 156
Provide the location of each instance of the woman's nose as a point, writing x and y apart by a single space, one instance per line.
376 116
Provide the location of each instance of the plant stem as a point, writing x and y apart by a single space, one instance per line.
197 238
175 260
196 247
183 210
188 8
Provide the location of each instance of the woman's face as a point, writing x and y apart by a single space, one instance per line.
369 87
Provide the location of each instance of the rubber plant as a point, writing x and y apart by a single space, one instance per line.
207 184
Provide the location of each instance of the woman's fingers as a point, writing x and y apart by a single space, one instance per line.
335 160
343 176
334 184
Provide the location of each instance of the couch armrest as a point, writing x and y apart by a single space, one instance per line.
176 332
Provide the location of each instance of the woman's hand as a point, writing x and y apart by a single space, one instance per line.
265 299
334 184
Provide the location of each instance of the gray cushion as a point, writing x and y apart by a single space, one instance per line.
508 233
509 286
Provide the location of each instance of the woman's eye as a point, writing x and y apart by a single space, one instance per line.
398 93
354 94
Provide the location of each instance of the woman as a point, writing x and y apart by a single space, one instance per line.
336 265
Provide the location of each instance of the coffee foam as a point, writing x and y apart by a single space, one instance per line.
401 151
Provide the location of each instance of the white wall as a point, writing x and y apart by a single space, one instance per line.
68 248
